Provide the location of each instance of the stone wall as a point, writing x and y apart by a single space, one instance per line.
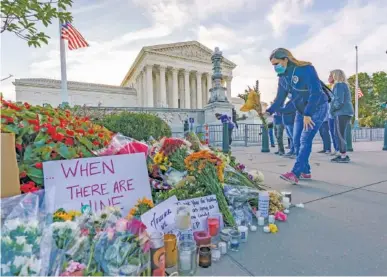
39 91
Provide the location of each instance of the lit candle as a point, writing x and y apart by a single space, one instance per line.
213 226
266 229
185 261
271 219
223 247
286 202
261 221
253 228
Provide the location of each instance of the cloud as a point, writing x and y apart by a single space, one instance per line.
286 13
334 45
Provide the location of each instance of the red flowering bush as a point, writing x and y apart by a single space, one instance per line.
47 133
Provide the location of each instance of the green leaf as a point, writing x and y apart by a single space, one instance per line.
10 129
46 153
28 154
8 112
66 152
41 139
86 142
35 174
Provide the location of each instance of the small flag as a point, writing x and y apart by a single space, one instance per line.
359 93
74 38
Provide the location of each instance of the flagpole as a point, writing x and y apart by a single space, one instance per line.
356 124
64 92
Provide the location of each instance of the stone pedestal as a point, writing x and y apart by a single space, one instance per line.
217 107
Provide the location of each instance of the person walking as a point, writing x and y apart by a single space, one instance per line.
300 79
224 118
342 110
279 133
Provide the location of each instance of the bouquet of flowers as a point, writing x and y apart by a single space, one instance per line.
21 235
142 206
252 98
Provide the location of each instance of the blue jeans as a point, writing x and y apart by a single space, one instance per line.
289 131
306 139
326 138
271 136
333 133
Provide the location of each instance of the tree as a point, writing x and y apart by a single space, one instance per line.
374 89
22 16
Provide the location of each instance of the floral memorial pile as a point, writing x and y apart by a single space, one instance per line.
203 202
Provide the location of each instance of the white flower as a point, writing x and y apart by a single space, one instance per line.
27 248
6 240
12 224
33 224
21 240
35 265
64 225
19 261
5 268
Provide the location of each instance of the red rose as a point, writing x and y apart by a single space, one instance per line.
96 143
19 147
28 187
27 105
80 131
100 135
69 142
39 165
36 128
58 137
23 174
33 121
91 131
70 132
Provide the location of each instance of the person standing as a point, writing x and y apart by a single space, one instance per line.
331 123
326 138
300 79
279 133
224 118
342 110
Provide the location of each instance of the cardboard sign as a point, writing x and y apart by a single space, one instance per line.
162 217
98 182
201 208
10 183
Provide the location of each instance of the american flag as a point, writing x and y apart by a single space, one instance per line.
359 93
74 38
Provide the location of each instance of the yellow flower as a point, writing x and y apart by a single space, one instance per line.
74 213
163 167
158 159
273 228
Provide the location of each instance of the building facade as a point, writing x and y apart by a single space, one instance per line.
40 91
177 75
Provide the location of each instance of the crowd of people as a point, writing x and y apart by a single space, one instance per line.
303 106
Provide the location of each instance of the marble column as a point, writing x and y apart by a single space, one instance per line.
199 91
209 85
204 87
181 91
156 89
229 79
175 88
149 86
187 94
193 92
163 88
138 89
143 89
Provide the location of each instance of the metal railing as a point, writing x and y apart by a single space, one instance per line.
250 134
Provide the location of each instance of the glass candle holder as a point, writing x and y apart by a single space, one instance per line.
183 218
187 258
235 240
213 223
157 253
170 242
215 253
202 238
205 256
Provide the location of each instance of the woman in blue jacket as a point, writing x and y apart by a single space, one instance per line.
342 110
300 79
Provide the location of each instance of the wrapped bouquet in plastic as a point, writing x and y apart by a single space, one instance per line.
123 145
21 235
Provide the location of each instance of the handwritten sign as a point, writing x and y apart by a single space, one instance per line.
162 217
201 208
98 182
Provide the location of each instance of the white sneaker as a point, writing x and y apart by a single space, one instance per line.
334 153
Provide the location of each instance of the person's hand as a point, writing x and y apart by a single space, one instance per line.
308 123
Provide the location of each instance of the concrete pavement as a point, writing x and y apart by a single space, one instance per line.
341 230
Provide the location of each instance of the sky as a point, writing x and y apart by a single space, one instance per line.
323 32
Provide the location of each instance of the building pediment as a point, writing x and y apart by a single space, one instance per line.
192 50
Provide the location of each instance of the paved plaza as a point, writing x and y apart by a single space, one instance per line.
341 230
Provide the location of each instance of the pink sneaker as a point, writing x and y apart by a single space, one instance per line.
305 176
290 177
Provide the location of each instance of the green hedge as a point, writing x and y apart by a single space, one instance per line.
139 126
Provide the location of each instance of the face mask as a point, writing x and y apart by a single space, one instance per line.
279 68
